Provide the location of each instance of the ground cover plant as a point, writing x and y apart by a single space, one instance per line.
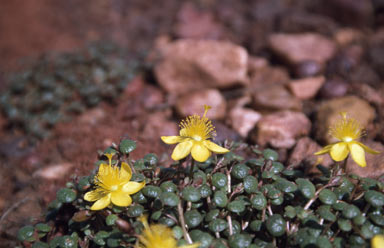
221 200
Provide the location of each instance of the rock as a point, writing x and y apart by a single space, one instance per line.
347 36
350 12
281 129
188 65
304 153
267 75
193 103
368 93
375 163
53 172
306 88
334 87
157 124
297 48
275 97
195 24
223 133
329 113
243 120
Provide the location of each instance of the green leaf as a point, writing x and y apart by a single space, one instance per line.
326 196
219 180
191 194
42 227
285 185
250 184
240 171
351 211
66 195
168 186
344 225
240 241
325 212
126 146
276 225
259 201
152 191
236 206
375 198
217 225
150 159
25 233
205 191
193 218
270 154
306 187
111 219
220 199
170 199
135 210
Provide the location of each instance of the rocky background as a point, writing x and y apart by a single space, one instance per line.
276 73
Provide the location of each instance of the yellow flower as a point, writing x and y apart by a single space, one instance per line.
158 236
194 138
347 131
113 185
377 241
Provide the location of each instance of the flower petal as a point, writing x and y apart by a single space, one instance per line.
377 241
200 153
358 154
367 149
121 199
94 195
325 150
182 150
133 187
190 246
170 140
214 147
339 151
125 172
102 203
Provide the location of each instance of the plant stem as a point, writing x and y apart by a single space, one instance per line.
182 222
229 219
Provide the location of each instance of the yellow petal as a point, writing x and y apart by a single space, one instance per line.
325 150
125 172
133 187
200 153
103 169
102 203
214 147
358 154
182 150
94 195
190 246
170 140
120 198
367 149
339 151
377 241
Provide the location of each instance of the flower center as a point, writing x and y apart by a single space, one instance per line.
346 129
197 128
114 187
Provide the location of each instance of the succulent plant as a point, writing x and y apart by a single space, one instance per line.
229 201
54 88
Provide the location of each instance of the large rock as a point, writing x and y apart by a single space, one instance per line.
329 113
275 97
188 65
298 48
193 103
303 153
243 120
281 129
306 88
